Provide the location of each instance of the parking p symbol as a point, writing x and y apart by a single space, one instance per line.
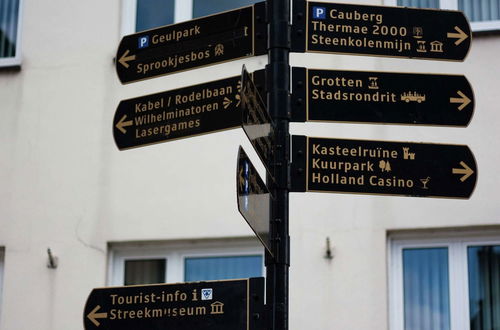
143 42
319 12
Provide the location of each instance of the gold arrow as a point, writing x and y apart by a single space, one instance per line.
122 123
227 102
466 170
460 36
463 100
124 59
93 316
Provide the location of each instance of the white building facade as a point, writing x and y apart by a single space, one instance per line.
168 212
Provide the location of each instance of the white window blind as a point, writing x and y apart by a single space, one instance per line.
484 15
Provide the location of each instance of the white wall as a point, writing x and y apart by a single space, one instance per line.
65 185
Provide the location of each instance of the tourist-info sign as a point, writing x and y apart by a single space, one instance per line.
382 167
381 31
212 305
200 42
381 97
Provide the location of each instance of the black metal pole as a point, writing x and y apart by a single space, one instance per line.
278 102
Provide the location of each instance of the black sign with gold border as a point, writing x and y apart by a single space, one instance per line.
380 31
256 121
199 42
180 113
254 199
211 305
382 167
381 97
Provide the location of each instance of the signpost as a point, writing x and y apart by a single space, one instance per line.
213 305
380 31
254 199
179 113
256 122
319 164
383 168
381 97
200 42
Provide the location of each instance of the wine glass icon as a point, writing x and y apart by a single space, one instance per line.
425 181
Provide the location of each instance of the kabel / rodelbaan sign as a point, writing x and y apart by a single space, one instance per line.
382 167
380 31
180 113
204 41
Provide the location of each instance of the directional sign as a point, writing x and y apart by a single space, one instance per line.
381 31
381 167
179 113
254 199
213 305
256 121
381 97
208 40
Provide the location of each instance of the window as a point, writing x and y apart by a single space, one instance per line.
10 47
447 282
484 15
141 15
150 263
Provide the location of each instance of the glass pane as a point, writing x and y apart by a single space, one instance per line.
148 271
9 11
484 287
419 3
154 13
480 10
426 289
208 7
219 268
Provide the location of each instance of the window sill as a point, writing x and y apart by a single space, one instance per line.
486 27
480 33
10 68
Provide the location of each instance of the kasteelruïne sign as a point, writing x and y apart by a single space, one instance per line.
382 167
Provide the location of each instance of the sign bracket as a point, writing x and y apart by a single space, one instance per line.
299 94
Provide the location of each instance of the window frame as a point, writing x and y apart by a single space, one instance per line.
457 244
175 254
482 26
183 11
17 59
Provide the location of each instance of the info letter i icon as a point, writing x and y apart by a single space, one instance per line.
319 12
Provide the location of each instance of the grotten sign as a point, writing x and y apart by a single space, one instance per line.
381 97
